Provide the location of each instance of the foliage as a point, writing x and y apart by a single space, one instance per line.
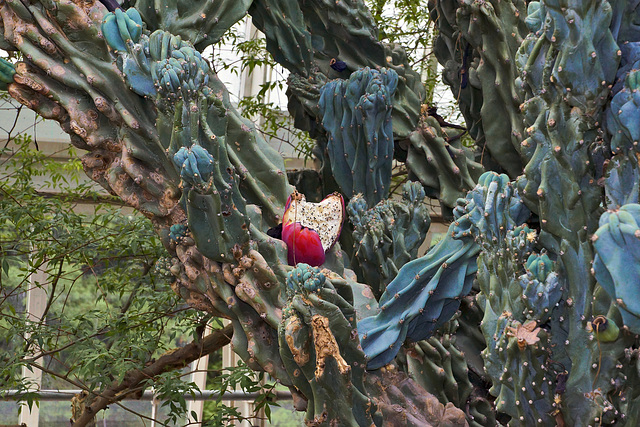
240 377
109 307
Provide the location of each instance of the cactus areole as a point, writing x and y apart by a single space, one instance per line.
311 229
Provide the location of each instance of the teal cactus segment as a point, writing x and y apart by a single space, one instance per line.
617 262
441 365
217 225
490 210
622 123
426 291
388 235
196 167
304 279
288 37
178 233
525 390
622 180
422 297
7 71
439 160
121 28
357 115
540 266
476 45
541 287
123 32
583 28
306 36
183 74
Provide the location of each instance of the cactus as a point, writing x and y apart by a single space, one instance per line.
548 91
616 265
388 235
319 345
7 70
541 288
426 291
357 115
441 163
477 45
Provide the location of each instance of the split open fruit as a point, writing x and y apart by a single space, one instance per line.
311 229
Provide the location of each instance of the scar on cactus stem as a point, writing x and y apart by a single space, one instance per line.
311 229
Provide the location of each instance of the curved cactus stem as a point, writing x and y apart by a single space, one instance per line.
426 292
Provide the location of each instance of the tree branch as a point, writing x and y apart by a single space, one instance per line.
175 359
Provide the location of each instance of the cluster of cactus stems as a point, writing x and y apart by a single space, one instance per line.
525 313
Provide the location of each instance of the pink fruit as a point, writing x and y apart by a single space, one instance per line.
307 247
311 229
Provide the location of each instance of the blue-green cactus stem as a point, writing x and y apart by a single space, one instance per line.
541 287
178 233
426 291
203 23
622 180
121 28
304 279
440 367
357 115
477 44
195 101
622 171
7 70
288 38
617 261
524 389
516 357
569 63
306 36
196 167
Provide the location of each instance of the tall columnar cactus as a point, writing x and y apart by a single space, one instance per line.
357 115
549 94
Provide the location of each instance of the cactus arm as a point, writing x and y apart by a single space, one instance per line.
441 164
616 262
201 22
7 71
323 31
477 45
357 116
426 291
388 235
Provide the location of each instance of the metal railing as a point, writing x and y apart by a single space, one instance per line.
61 395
